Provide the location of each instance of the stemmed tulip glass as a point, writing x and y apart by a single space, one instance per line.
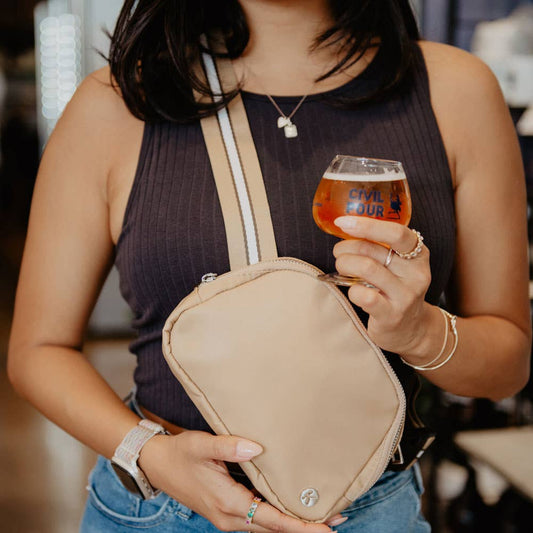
363 187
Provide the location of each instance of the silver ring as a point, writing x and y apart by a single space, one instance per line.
415 251
389 258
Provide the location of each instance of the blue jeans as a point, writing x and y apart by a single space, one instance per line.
392 505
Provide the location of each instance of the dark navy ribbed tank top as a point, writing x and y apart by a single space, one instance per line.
173 230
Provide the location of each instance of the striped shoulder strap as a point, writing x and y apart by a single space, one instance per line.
236 169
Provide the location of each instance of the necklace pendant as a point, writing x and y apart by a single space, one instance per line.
283 121
290 130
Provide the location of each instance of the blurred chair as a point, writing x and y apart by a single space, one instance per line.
507 451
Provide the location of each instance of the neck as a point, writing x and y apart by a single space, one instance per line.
282 33
279 58
284 28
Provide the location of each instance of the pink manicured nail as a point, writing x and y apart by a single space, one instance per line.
347 222
247 450
337 521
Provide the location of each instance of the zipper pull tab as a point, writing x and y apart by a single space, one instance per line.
207 278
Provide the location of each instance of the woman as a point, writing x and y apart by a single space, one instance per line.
125 178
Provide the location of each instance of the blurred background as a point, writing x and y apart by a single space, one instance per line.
478 474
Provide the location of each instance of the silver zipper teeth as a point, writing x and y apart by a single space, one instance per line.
309 267
403 402
393 374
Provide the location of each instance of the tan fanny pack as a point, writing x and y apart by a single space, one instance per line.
270 353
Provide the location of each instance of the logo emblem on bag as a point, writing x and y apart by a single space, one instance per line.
309 497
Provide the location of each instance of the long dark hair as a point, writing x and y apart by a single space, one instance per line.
155 46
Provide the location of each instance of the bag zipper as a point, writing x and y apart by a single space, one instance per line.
396 441
403 401
208 278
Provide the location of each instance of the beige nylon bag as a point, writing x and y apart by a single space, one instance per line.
270 353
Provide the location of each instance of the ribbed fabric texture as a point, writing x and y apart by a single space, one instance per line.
173 230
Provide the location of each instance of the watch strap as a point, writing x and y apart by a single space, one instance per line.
132 444
127 453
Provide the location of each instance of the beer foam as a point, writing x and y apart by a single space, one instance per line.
388 176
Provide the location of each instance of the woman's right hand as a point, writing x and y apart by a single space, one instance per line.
190 468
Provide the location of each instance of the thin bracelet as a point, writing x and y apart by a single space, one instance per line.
453 321
446 328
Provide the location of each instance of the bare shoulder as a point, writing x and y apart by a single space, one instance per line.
101 133
450 65
98 104
446 53
69 237
465 95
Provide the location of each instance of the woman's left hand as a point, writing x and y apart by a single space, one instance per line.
398 314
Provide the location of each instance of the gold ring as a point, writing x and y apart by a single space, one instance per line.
251 511
415 252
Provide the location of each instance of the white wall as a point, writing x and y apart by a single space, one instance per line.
97 14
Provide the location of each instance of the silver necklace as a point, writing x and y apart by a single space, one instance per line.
285 121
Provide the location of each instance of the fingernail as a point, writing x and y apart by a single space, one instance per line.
247 450
346 222
337 521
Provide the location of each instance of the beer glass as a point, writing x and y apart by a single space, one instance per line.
360 186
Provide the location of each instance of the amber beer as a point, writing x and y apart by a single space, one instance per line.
383 196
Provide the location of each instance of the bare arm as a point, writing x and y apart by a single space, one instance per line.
67 256
489 290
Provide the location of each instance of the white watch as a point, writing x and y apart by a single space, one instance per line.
124 461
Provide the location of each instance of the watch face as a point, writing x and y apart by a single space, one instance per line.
126 479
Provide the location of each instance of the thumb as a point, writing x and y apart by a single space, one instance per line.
233 449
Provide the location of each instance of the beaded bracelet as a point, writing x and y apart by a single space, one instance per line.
453 324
